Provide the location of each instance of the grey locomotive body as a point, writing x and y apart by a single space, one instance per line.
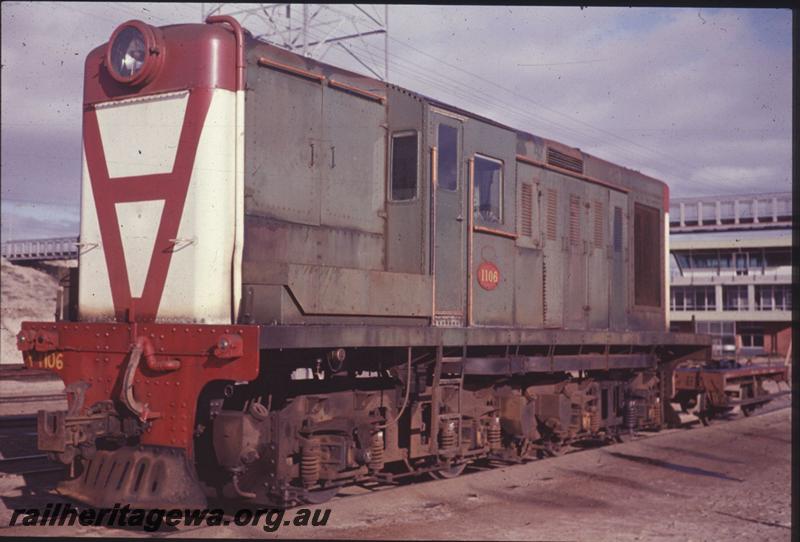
367 203
435 288
345 281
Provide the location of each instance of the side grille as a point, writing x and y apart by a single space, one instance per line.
617 229
526 210
598 224
559 159
552 210
545 314
574 220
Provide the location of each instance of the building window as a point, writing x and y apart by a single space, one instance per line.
784 209
741 263
693 298
774 298
745 211
677 299
488 190
723 336
690 214
777 258
752 336
734 298
727 212
674 215
404 166
705 260
647 237
708 211
765 210
755 262
684 262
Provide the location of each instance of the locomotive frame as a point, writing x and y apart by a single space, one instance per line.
487 295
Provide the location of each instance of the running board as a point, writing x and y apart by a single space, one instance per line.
519 365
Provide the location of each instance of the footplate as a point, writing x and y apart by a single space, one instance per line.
142 477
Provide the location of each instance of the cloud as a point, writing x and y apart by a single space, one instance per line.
671 93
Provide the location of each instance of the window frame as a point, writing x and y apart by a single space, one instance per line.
689 297
389 192
459 154
738 288
477 221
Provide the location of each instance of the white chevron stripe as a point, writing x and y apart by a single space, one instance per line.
141 137
138 225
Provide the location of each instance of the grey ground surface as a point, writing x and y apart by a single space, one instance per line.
728 481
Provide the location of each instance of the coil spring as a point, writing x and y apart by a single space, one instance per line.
309 465
376 452
447 438
630 416
594 420
494 435
657 411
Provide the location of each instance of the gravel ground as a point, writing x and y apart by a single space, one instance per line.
723 482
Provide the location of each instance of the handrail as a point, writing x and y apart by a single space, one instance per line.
239 34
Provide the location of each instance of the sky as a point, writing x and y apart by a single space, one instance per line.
699 98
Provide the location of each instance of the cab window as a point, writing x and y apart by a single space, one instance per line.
487 191
404 166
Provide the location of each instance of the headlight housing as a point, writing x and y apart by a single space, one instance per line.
134 53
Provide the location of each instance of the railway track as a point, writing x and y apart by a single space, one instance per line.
32 463
24 461
17 426
361 489
26 465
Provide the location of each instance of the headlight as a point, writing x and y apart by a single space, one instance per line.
134 54
128 52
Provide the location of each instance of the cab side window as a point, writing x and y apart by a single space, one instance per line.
488 191
405 148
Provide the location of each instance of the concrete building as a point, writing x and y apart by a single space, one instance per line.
731 271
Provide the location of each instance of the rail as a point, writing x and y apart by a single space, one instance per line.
29 250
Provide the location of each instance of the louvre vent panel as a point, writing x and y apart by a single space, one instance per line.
526 211
559 159
552 210
617 229
574 220
545 314
599 236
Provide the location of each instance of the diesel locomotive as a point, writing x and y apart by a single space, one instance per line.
293 277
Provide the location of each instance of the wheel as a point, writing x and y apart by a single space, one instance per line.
452 471
747 410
